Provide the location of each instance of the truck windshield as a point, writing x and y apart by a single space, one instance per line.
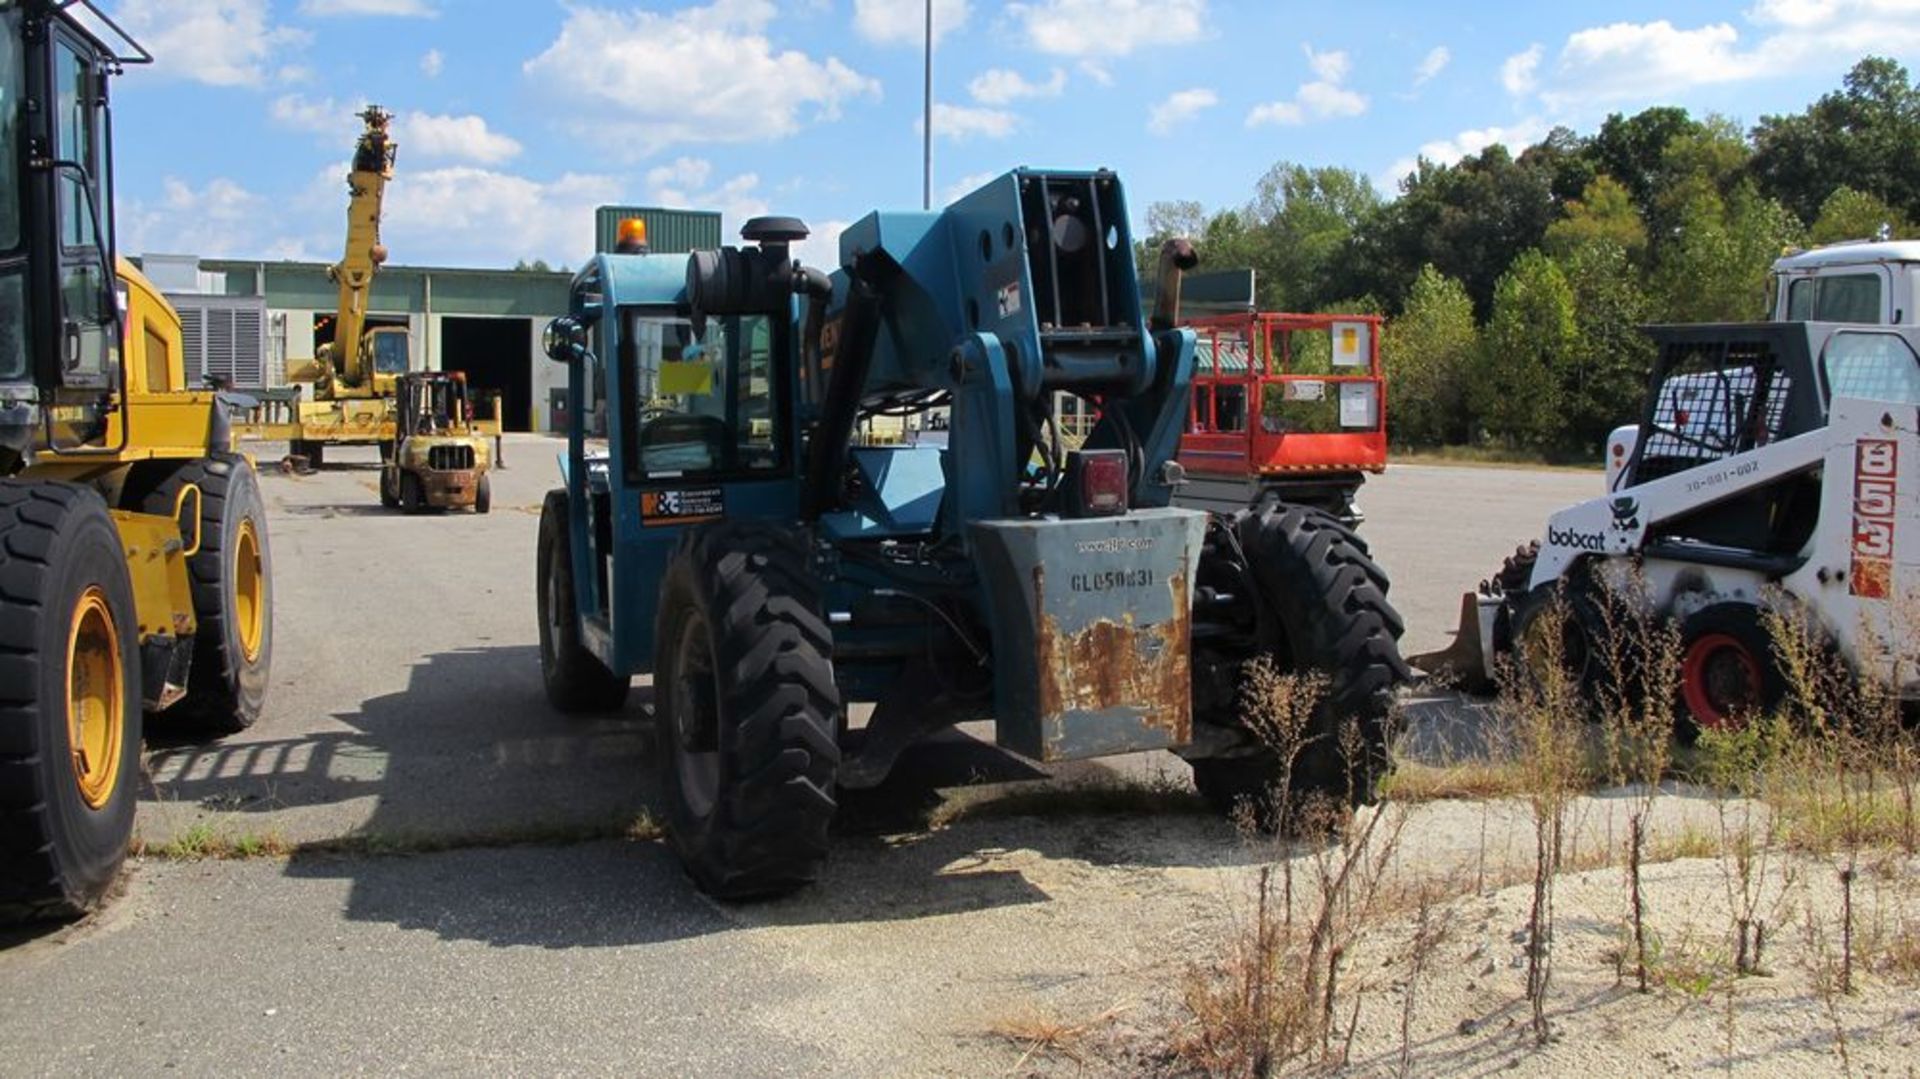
702 402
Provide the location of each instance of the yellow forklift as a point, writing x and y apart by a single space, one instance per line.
436 460
134 569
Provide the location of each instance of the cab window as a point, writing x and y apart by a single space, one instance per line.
390 353
1835 298
1873 366
702 402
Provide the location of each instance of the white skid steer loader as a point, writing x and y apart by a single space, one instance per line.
1774 467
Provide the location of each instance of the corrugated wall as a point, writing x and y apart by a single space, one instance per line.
669 232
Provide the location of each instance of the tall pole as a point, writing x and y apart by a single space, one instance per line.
926 123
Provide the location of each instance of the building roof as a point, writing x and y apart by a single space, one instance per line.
1853 253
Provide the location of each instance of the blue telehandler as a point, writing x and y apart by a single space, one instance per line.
737 540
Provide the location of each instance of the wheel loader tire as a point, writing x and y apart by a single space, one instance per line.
70 718
1728 671
577 682
483 495
747 709
413 493
1321 606
231 577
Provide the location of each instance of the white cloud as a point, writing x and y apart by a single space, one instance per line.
964 186
702 74
684 182
1321 99
1519 74
960 122
1178 108
218 42
1640 61
468 216
822 246
432 64
335 122
1447 151
409 8
904 22
1095 70
1108 27
1436 61
999 86
221 219
457 138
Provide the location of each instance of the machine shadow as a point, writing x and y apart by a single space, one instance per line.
470 758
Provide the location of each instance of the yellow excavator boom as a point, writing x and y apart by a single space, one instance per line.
346 369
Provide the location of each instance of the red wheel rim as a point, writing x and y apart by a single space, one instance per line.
1720 681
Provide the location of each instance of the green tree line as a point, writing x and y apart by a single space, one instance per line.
1515 286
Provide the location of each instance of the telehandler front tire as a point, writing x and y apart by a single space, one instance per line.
70 718
577 682
748 712
1320 608
232 582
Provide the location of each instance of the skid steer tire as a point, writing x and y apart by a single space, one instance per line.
1321 606
69 665
1728 670
748 712
1590 615
577 682
231 577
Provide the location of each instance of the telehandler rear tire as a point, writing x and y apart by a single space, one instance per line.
1320 606
748 712
70 713
577 682
232 581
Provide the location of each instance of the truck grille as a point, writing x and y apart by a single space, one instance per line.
450 458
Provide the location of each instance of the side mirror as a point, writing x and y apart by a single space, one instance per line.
565 339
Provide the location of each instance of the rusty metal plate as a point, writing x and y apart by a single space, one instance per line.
1092 623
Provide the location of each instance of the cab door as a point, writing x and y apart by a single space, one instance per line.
89 346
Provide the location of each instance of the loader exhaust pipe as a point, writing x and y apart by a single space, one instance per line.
1177 256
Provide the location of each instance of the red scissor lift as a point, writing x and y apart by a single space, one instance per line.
1287 406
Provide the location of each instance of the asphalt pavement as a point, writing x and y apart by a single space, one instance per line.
406 710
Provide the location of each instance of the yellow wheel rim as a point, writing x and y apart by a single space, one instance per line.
96 698
249 591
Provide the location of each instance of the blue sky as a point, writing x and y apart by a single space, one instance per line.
517 118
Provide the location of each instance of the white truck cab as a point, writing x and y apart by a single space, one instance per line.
1857 281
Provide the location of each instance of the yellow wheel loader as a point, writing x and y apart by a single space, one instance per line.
135 575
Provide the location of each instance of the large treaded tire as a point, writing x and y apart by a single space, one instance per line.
58 854
227 687
1321 606
577 682
749 747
